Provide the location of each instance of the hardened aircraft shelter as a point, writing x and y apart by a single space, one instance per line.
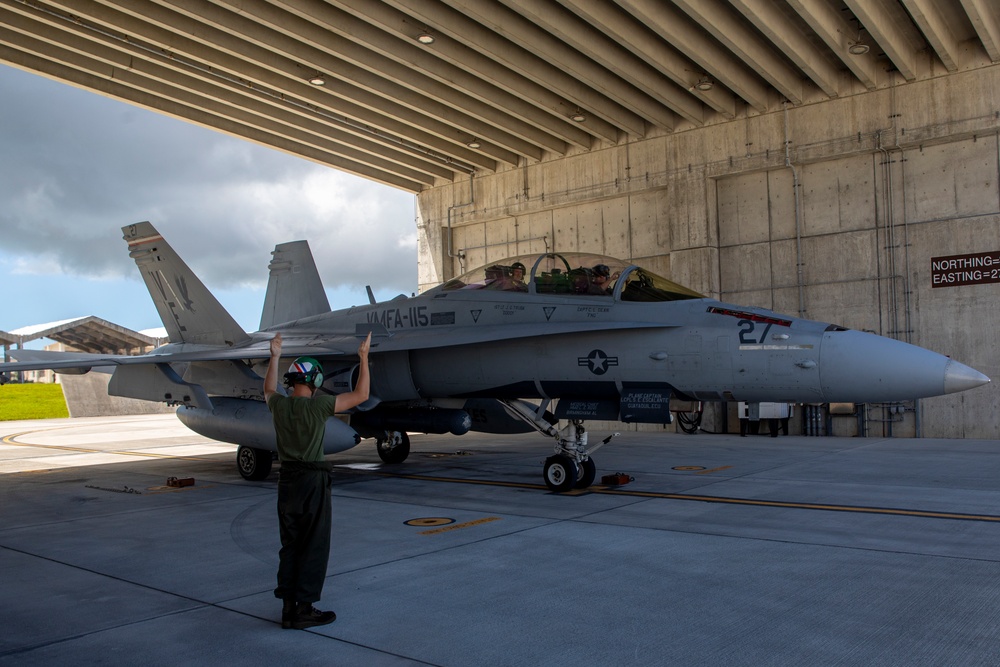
832 159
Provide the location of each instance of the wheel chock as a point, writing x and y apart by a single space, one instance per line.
617 479
177 483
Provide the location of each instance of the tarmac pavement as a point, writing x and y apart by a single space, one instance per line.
721 551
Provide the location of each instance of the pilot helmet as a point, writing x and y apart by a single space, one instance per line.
517 265
602 270
305 370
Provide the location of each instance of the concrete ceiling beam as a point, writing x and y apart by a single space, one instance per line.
285 33
830 25
446 20
714 61
456 53
789 37
596 45
105 84
519 30
629 33
402 46
285 76
147 77
722 21
985 18
885 22
932 23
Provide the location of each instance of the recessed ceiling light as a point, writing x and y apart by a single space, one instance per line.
473 144
579 117
858 49
705 85
317 80
425 38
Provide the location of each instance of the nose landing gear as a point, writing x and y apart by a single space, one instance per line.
571 467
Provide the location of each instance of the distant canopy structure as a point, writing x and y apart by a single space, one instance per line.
87 334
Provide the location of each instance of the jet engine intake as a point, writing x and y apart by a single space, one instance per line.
341 381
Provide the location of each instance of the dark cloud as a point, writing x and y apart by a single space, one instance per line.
75 167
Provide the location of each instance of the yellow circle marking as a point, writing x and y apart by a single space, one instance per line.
429 521
687 468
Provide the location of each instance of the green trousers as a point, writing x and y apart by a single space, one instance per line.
304 518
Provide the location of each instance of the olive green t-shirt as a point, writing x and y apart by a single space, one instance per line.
300 424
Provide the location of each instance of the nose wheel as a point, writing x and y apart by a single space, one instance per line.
586 473
563 474
560 473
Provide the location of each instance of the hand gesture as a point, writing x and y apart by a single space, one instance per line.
276 345
364 347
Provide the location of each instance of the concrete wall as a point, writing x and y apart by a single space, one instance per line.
87 396
886 180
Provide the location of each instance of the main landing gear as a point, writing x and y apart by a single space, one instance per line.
393 446
571 467
254 464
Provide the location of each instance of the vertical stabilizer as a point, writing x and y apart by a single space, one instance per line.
294 288
188 310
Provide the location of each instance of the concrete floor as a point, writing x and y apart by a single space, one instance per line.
722 551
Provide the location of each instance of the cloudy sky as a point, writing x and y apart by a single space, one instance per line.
75 167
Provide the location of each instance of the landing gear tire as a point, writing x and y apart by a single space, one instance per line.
586 474
393 447
560 473
254 464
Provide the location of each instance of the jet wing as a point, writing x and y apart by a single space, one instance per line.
80 362
323 346
37 360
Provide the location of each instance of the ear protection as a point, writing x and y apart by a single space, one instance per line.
305 370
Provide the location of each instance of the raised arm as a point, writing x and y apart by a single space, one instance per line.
271 378
360 393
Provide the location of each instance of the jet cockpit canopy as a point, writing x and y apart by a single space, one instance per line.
569 274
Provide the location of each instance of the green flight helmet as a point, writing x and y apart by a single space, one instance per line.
305 370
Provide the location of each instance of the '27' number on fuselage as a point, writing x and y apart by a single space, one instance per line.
747 328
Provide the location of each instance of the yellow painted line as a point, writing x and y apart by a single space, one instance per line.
10 440
454 480
617 491
807 506
706 472
459 526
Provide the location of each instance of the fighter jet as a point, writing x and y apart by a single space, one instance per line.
541 342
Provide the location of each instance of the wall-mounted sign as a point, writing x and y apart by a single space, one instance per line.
976 269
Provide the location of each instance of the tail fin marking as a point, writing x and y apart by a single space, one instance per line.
190 313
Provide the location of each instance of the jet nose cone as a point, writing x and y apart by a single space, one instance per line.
864 368
959 377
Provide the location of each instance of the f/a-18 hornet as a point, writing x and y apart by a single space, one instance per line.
528 343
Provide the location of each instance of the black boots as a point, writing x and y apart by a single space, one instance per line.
302 615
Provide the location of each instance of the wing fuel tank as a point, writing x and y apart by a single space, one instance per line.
423 420
248 423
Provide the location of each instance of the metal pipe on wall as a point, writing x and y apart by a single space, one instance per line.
798 216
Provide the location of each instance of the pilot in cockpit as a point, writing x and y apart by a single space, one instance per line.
601 282
517 277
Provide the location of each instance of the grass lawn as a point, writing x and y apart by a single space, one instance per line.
32 401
